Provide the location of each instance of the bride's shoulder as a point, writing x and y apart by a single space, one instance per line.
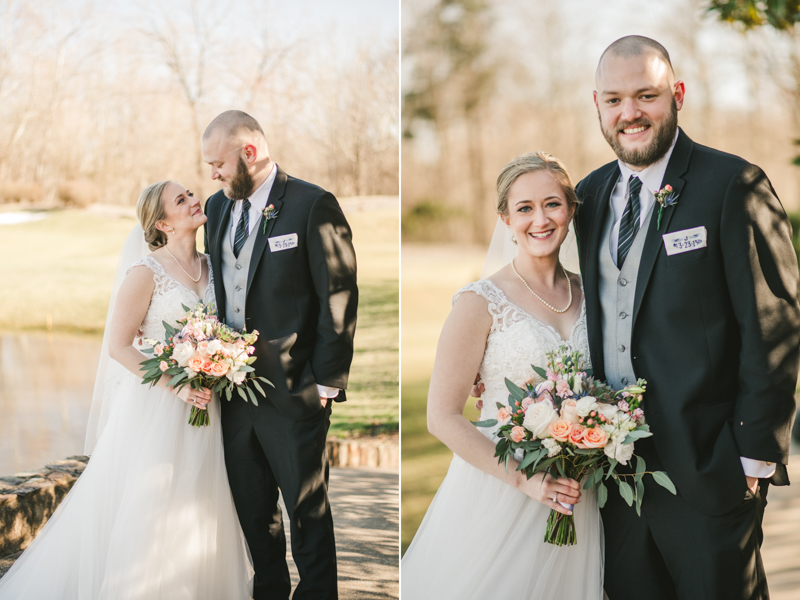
149 262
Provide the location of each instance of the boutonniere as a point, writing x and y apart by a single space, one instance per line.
269 213
665 197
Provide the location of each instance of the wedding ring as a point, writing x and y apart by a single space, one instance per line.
555 498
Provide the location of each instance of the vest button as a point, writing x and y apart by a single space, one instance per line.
621 348
238 266
623 314
624 381
622 282
236 310
238 288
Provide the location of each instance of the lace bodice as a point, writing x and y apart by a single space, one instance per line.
516 341
168 296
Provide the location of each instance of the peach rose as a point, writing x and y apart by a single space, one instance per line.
595 437
576 435
163 366
219 369
195 363
517 434
559 430
569 410
207 366
159 349
503 415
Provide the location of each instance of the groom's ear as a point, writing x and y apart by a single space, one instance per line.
250 153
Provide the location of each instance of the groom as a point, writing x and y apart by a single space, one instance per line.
704 307
284 265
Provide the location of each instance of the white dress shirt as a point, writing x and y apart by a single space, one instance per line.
652 178
258 202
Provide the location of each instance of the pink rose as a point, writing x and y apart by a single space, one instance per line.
668 187
195 363
503 415
219 369
623 406
576 435
517 434
562 389
163 366
207 366
559 430
202 347
569 410
527 402
595 437
159 350
638 415
251 349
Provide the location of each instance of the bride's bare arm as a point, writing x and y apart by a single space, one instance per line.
458 357
133 300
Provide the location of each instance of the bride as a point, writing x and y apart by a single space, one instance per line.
152 515
482 537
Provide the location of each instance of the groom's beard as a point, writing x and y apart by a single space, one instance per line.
644 157
241 185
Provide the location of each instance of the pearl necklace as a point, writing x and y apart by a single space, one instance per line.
569 287
201 267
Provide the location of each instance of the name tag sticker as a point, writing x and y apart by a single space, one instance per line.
283 242
685 241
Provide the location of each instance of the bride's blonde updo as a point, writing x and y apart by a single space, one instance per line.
150 210
534 161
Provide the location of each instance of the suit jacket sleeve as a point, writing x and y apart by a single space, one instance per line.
762 277
333 271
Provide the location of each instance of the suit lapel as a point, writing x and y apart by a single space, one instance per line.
222 220
276 199
677 167
591 284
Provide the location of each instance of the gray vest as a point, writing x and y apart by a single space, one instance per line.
234 276
617 290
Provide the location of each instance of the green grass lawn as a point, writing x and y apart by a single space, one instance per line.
59 271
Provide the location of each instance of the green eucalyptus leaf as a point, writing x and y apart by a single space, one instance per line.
626 492
516 392
664 481
612 464
486 423
636 434
602 494
539 371
640 468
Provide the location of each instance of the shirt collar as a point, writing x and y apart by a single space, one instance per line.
260 197
652 175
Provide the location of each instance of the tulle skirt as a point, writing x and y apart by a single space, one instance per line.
151 517
481 539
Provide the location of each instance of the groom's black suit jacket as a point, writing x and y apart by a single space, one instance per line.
716 331
302 301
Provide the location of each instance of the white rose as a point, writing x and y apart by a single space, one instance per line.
182 353
577 384
622 453
553 447
236 377
537 418
586 405
609 411
213 347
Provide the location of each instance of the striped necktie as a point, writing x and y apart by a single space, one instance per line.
629 225
242 229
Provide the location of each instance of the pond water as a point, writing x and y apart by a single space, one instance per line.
46 384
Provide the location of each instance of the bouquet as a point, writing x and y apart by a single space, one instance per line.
576 427
204 353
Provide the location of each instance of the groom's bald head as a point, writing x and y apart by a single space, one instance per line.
635 45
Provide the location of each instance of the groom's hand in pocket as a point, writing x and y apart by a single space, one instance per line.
752 483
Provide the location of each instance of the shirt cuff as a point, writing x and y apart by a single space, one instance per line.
757 468
327 392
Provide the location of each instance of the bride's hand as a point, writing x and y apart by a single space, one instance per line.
198 398
548 490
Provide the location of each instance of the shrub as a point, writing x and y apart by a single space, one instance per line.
79 193
19 191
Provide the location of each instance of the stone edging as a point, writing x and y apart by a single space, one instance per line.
27 500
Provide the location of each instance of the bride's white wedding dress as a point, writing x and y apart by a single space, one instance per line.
151 518
482 539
